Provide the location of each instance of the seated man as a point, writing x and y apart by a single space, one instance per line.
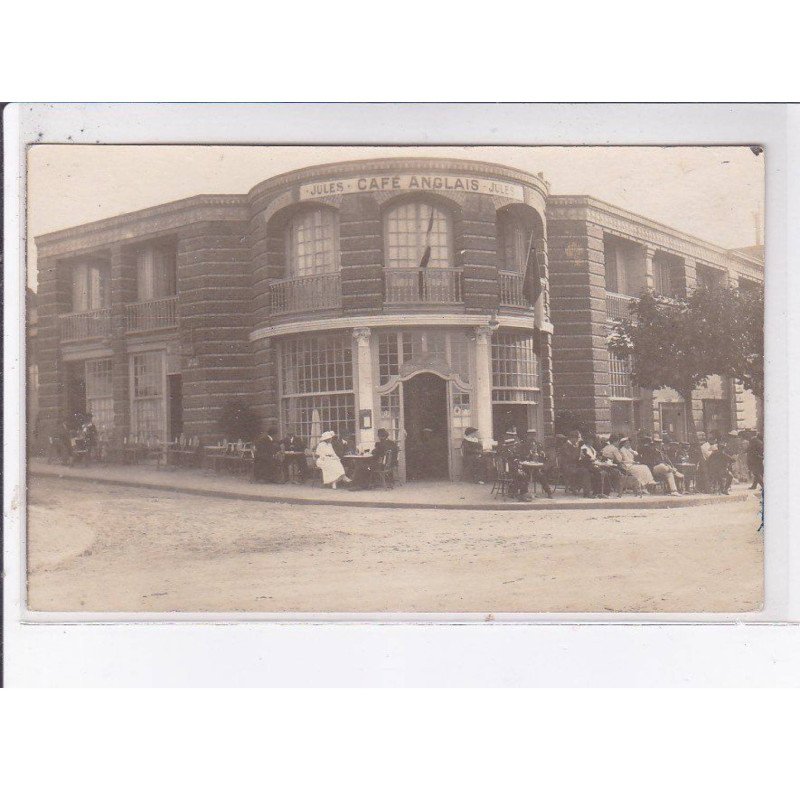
661 466
720 470
472 456
535 452
383 457
594 478
294 458
512 451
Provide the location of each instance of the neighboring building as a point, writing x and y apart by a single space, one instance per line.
32 396
601 257
382 293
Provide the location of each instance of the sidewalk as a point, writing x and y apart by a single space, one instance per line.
442 494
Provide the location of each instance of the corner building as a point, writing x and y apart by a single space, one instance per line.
359 295
352 296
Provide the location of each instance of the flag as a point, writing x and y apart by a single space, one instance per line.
426 257
532 282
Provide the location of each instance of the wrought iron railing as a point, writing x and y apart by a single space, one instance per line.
151 315
511 290
618 306
312 293
430 285
94 324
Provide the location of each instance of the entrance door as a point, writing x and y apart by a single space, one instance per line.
716 416
673 420
425 421
175 407
76 392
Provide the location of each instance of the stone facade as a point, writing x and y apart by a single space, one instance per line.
215 298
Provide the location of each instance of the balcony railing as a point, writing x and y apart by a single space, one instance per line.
151 315
618 306
312 293
94 324
511 291
431 285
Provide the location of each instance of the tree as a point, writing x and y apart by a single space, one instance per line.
238 421
680 343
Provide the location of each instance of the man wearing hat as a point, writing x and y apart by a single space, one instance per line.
535 452
512 451
660 465
472 455
266 467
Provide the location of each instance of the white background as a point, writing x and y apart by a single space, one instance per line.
444 744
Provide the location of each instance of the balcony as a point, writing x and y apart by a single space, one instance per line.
422 286
83 325
312 293
511 291
618 306
151 315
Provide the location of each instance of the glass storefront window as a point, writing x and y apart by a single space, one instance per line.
515 368
317 386
100 393
398 348
148 418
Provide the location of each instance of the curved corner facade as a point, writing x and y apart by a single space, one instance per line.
407 294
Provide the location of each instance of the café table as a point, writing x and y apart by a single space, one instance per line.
356 462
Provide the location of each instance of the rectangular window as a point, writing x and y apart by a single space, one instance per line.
515 368
396 349
148 411
156 272
410 229
313 246
461 408
390 413
317 386
91 286
621 383
100 393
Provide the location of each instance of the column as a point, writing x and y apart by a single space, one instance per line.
649 270
483 380
123 291
541 311
364 391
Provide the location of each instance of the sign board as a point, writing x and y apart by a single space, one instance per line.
411 183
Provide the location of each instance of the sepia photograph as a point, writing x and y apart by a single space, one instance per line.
316 379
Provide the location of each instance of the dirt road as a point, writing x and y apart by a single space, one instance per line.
104 548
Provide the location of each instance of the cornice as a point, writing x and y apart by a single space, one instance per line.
393 321
343 169
147 221
648 231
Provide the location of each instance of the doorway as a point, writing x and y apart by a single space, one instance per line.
425 422
175 405
673 420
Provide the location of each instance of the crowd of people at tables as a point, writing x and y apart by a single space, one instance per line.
593 466
597 466
337 461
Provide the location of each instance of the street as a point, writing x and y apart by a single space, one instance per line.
94 547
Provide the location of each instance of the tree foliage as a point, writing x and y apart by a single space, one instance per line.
680 343
238 421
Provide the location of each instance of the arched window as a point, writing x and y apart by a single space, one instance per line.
514 239
417 235
313 242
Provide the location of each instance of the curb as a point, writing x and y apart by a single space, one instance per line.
540 504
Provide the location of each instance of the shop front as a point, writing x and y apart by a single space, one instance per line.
424 384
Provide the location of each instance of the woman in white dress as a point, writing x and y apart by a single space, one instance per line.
328 461
640 472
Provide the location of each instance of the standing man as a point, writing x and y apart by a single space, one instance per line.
266 466
755 460
294 456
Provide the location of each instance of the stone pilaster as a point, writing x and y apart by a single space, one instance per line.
578 312
364 387
123 291
483 381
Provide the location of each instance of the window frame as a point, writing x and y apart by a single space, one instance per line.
449 238
291 244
